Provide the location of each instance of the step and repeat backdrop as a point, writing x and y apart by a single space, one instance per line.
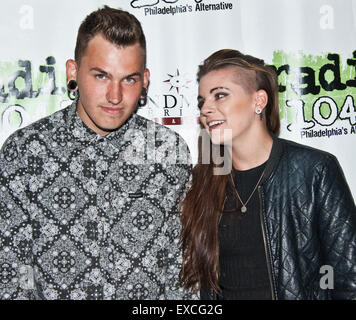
312 45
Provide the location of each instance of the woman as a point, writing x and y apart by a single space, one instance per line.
281 224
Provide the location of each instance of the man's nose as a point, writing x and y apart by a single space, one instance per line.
114 93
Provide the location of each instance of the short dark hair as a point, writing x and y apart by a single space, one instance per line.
117 26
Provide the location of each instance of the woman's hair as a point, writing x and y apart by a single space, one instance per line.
117 26
202 207
252 74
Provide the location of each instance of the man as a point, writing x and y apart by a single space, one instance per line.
89 195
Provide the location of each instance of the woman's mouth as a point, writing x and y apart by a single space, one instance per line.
215 124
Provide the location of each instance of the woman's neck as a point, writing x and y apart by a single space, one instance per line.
252 151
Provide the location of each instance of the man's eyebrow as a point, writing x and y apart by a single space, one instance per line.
134 74
99 70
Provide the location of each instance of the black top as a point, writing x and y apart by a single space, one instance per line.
301 183
243 267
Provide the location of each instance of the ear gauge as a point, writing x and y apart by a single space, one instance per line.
143 99
72 87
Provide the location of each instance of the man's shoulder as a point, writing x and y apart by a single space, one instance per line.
147 123
41 126
162 132
169 146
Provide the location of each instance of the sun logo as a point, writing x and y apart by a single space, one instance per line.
177 81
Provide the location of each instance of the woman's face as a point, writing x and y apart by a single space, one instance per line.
227 110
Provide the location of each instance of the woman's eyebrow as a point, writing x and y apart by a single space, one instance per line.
217 88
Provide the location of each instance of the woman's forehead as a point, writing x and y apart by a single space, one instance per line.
245 78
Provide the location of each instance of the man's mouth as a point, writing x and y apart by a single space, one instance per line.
111 111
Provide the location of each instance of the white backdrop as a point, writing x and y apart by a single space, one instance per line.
311 43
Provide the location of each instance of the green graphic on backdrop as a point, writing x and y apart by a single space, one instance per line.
316 90
28 93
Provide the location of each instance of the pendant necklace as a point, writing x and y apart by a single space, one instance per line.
244 208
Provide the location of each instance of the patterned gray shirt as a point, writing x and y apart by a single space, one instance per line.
89 217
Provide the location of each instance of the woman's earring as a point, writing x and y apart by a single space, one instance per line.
72 87
259 111
143 99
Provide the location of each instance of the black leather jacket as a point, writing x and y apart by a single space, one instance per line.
308 218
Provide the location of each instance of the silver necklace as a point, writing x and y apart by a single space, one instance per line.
244 208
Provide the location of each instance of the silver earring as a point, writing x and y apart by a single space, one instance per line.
259 111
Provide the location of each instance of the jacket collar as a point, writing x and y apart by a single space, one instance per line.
274 158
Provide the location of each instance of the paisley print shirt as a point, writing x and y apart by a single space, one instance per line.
89 217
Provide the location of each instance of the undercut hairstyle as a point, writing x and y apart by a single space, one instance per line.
115 25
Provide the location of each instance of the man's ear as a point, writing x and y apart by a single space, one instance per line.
146 78
71 69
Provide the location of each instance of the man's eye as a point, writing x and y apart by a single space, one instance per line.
101 76
130 80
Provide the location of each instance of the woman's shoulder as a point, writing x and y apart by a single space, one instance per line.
304 153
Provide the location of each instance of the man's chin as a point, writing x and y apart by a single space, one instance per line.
105 128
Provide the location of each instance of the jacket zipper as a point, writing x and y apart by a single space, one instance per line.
265 246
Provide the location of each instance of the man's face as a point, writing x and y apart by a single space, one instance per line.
110 81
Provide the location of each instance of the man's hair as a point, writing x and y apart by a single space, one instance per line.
115 25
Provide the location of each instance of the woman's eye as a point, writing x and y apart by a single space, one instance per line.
220 95
200 104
